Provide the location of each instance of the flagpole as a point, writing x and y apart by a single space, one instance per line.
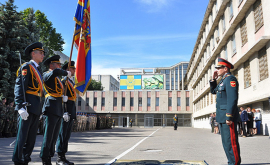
70 56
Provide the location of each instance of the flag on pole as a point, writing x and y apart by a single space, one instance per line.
82 39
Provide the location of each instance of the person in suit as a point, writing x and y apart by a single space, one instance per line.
227 114
70 108
52 108
28 89
175 121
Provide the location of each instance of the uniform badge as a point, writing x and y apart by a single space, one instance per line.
221 84
233 83
24 72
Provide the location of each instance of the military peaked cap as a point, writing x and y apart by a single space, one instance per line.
72 65
222 62
53 59
32 47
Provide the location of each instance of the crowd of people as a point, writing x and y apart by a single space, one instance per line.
249 123
8 119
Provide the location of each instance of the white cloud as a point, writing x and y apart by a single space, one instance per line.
101 70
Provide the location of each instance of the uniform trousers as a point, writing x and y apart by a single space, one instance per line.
26 138
230 143
52 125
64 136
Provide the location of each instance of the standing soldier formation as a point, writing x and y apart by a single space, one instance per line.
52 108
28 90
70 108
227 114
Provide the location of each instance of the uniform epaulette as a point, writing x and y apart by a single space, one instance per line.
227 75
229 115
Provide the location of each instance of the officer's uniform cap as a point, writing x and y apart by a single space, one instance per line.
32 47
72 65
53 59
222 63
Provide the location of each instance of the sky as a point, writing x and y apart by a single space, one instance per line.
129 33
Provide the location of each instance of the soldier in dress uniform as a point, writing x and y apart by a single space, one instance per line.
52 108
175 121
226 109
28 89
70 107
2 115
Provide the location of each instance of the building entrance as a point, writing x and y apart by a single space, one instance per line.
148 121
122 121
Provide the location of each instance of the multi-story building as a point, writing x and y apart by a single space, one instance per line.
239 31
108 82
145 97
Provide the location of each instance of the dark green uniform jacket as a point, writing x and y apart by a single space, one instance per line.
71 103
29 77
227 96
53 90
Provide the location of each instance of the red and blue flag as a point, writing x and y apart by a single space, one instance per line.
82 40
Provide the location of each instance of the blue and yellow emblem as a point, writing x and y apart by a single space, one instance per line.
131 82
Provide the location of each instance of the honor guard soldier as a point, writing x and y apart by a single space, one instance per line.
70 107
28 90
226 109
175 121
52 108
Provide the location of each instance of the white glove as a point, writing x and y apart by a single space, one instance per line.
66 117
65 98
23 113
69 74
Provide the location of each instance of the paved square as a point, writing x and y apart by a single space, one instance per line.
158 143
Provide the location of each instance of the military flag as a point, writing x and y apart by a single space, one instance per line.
82 41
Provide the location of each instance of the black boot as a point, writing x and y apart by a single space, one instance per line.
46 161
62 160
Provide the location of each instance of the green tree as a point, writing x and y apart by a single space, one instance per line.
48 35
12 41
95 85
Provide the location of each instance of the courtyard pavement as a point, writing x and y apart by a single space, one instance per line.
157 143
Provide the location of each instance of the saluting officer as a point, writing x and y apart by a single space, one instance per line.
226 109
175 121
70 107
52 108
29 84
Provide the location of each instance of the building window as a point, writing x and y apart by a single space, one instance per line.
115 101
213 42
240 1
243 30
179 101
170 101
212 17
148 101
95 101
140 101
263 64
231 9
187 101
247 76
87 101
258 15
157 101
79 101
103 101
131 101
217 6
235 73
223 23
226 52
233 45
123 102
